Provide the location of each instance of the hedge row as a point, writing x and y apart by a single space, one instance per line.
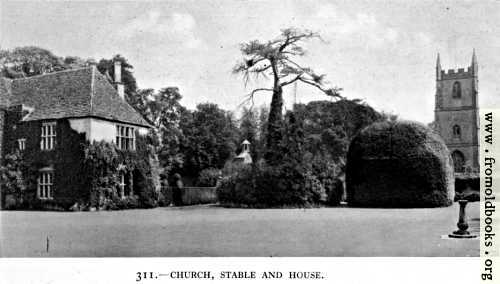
279 186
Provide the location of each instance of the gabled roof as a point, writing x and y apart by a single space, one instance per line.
72 93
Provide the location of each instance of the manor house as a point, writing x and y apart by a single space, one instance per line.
48 117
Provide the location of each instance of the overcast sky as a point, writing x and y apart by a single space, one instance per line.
381 51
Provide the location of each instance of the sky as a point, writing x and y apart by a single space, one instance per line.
383 52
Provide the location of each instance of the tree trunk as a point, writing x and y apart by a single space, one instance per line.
274 126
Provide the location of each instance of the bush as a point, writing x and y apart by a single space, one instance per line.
12 180
237 189
335 192
328 172
232 168
399 164
117 203
208 177
165 196
290 179
265 186
316 189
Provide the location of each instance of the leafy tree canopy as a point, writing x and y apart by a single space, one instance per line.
330 126
210 138
277 59
32 60
106 66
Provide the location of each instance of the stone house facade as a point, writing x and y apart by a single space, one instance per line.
48 117
456 114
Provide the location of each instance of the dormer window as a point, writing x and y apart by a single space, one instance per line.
457 90
125 137
48 140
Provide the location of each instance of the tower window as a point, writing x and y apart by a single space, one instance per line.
456 131
457 90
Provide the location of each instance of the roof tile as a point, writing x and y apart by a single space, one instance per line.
71 93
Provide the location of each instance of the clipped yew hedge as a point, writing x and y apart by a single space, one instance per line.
399 164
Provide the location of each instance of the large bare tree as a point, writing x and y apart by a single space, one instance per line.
277 59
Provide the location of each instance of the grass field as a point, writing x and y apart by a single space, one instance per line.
215 231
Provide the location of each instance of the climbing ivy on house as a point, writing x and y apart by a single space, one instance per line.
12 179
85 174
103 163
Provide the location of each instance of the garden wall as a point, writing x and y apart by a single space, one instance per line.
198 195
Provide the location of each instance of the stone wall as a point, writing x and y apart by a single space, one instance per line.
198 195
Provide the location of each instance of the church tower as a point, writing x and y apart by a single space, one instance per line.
456 114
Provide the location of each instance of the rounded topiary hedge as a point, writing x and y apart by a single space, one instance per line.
399 164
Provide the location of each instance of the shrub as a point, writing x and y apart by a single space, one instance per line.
316 188
335 190
232 168
12 182
292 179
165 196
266 186
147 195
117 203
399 164
327 172
208 177
237 189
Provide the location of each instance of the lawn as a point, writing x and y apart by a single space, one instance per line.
215 231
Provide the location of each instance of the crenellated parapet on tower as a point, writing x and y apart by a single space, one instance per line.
456 113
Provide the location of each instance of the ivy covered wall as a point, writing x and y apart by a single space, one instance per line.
104 162
75 162
69 183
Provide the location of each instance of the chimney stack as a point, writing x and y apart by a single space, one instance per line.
118 79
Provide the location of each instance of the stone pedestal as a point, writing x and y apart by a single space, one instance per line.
462 224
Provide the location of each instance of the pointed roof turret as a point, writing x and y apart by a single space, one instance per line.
474 61
438 68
